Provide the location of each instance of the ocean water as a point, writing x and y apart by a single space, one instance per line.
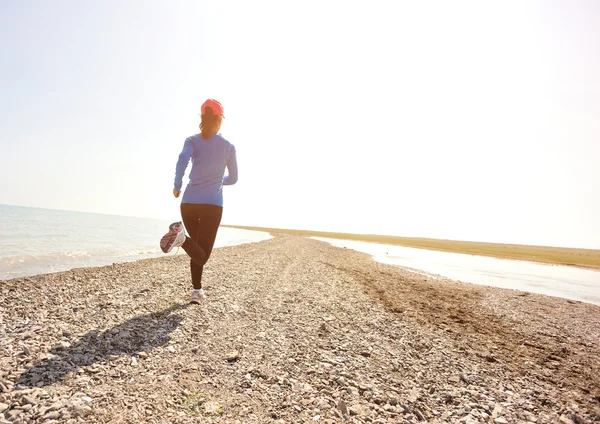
37 241
553 280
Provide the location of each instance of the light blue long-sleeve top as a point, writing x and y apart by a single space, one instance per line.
209 157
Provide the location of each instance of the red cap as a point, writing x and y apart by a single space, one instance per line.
216 107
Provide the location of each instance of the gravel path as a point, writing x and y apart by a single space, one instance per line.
294 331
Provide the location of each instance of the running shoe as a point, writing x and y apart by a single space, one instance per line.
198 296
174 238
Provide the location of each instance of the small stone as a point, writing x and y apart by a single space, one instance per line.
454 379
212 408
113 357
352 391
356 410
13 413
342 407
365 353
497 410
3 407
171 349
54 415
29 400
143 355
86 399
565 420
323 406
233 356
78 411
470 420
530 416
55 406
61 345
500 420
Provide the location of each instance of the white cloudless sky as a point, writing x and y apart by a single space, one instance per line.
473 120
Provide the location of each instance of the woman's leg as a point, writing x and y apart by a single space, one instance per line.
202 223
190 214
209 226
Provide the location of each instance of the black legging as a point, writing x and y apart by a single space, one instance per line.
202 223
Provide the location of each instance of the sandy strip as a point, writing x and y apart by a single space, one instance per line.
295 330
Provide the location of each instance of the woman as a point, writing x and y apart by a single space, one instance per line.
202 203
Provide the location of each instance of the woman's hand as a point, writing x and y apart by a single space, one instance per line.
176 193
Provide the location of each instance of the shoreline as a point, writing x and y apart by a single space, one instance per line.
563 256
96 261
293 328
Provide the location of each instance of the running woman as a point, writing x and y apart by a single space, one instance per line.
202 202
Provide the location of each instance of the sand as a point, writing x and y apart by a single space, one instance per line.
294 331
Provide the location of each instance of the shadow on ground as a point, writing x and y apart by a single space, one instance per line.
138 334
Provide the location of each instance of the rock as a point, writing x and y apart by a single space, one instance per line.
55 406
357 410
565 420
3 407
213 408
233 356
54 415
13 413
29 400
497 410
342 407
171 349
61 345
365 353
470 420
323 406
80 411
352 391
143 355
86 399
454 379
501 420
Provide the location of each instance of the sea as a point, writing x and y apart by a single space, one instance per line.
39 241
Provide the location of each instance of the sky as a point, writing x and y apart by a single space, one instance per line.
461 120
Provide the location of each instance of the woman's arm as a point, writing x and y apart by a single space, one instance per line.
182 163
232 168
